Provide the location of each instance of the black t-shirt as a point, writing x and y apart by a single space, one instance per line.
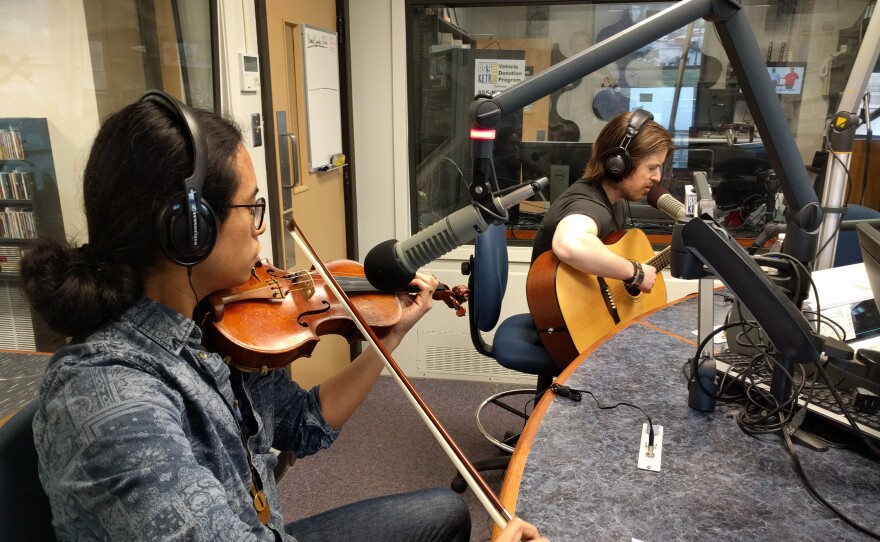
581 198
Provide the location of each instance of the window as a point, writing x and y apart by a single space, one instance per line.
66 66
683 78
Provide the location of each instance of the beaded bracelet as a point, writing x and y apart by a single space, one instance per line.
638 275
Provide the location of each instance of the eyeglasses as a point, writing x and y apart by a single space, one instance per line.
258 211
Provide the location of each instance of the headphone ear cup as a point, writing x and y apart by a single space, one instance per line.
173 233
618 163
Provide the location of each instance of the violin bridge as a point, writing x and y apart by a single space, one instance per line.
305 283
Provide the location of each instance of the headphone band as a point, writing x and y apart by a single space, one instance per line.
193 183
187 242
618 162
634 126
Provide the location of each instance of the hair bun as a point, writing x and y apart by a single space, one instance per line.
84 257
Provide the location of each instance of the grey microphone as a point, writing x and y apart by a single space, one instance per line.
660 198
392 264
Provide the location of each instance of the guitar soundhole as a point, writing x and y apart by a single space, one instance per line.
633 291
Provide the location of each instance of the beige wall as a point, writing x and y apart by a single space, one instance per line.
46 71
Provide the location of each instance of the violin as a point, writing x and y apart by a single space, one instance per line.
279 316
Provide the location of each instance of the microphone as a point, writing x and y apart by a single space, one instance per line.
660 198
392 264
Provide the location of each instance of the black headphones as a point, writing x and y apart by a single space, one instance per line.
186 225
618 162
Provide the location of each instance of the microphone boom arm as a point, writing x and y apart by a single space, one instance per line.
805 214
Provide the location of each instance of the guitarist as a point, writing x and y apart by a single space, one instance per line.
626 162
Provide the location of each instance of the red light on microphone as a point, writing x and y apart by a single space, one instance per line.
482 134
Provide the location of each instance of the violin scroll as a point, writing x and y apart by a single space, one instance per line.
453 297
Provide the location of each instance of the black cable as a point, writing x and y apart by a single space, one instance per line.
575 395
868 137
815 494
846 412
839 332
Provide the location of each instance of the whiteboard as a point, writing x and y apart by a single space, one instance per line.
323 113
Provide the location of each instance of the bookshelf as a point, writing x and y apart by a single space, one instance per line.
29 209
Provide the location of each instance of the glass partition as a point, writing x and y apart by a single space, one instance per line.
137 45
65 67
457 49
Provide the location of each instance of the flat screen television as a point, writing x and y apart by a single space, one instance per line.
788 77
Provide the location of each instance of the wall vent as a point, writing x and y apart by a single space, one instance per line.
452 356
16 326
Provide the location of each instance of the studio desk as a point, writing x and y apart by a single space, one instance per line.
574 471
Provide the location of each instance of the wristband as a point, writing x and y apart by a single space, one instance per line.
638 275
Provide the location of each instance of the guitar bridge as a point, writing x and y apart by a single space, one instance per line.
609 300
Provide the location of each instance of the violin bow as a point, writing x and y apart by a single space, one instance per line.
474 480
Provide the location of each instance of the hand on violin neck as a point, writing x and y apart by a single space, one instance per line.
416 306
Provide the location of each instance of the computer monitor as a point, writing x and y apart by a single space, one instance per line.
715 109
563 162
869 243
788 77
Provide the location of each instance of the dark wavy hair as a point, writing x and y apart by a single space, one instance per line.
651 138
138 161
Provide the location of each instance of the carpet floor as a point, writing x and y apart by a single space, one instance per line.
386 448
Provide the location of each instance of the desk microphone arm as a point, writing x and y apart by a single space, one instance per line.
805 213
703 242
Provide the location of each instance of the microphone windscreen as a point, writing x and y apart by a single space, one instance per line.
383 270
660 198
655 193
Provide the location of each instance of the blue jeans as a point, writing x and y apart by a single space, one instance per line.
427 515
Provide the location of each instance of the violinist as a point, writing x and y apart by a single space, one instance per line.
143 434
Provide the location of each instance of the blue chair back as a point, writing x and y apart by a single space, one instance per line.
489 277
848 251
24 508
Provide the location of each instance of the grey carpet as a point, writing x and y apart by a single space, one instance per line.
386 448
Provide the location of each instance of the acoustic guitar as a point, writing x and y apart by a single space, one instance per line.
572 309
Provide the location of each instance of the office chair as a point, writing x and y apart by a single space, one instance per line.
516 344
24 508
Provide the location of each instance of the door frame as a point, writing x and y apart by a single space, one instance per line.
269 133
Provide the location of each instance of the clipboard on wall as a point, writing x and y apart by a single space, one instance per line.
323 110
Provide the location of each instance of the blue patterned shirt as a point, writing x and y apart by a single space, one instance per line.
138 439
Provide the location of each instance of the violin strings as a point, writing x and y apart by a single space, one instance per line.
303 281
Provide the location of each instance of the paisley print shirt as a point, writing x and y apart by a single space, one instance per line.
140 436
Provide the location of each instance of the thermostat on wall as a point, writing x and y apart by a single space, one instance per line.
250 72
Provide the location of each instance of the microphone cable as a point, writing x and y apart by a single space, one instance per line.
792 452
576 395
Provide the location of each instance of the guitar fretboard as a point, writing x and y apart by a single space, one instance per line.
661 260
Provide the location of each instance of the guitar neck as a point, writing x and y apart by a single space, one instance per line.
661 260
